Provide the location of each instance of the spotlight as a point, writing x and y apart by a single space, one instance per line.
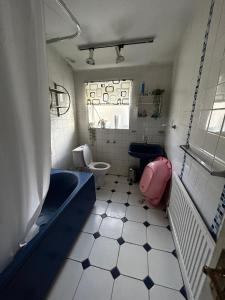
119 57
90 60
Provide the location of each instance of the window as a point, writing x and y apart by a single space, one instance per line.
217 118
109 103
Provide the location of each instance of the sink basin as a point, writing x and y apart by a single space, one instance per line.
145 151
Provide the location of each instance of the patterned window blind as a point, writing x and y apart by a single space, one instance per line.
115 92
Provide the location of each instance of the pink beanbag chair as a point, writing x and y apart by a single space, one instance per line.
154 179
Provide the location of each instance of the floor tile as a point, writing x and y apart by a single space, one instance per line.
122 179
134 189
135 199
163 293
135 213
122 187
82 247
126 288
164 269
95 284
103 195
92 224
110 181
134 232
104 253
133 261
100 207
116 210
157 217
147 203
160 238
108 186
119 197
65 285
111 227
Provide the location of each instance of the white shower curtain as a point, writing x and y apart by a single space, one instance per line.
24 123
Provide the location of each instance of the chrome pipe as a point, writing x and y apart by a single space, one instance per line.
74 20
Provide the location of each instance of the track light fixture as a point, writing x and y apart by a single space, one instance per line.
118 46
90 60
120 58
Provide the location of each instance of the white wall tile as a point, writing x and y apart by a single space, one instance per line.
197 180
63 129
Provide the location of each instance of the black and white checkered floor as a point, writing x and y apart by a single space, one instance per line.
124 252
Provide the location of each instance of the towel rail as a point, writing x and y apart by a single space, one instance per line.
200 161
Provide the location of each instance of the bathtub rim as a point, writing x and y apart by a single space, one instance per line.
26 251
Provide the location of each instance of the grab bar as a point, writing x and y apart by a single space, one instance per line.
74 20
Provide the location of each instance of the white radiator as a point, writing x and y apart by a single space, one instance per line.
193 241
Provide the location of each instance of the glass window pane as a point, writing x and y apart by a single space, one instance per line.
109 103
216 121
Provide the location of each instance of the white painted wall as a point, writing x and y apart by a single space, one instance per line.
117 153
63 129
204 188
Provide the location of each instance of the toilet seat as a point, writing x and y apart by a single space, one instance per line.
99 166
83 160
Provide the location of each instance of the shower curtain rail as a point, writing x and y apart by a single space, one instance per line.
74 20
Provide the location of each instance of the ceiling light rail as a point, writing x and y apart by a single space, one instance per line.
120 44
63 5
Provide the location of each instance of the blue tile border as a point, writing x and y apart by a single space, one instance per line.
202 60
219 215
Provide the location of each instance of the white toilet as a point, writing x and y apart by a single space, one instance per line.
83 160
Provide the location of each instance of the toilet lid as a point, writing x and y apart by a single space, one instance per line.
87 154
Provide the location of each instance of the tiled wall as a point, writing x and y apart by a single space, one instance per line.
63 128
210 108
115 151
204 188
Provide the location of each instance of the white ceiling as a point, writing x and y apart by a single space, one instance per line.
110 20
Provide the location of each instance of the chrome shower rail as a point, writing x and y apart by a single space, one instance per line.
74 20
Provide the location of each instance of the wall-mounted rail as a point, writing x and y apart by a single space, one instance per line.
73 19
204 164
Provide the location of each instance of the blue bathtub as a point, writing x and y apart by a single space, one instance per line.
69 201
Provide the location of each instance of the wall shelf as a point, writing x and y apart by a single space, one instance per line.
207 166
151 104
56 92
